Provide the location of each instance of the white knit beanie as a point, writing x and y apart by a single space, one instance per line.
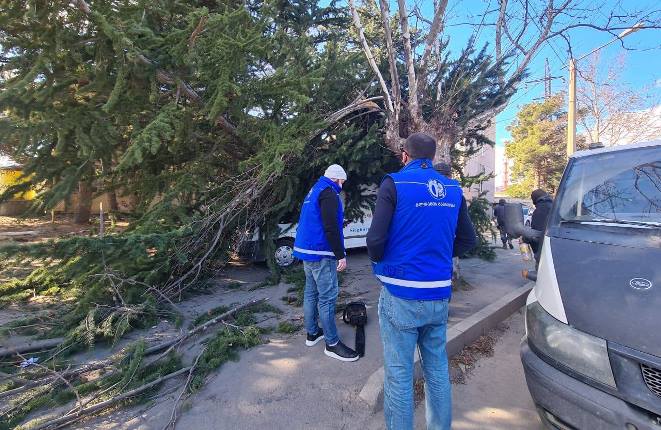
335 171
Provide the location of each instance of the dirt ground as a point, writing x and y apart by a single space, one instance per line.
42 228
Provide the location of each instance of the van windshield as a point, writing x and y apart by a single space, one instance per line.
622 187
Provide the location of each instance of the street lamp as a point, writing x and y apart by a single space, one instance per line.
571 111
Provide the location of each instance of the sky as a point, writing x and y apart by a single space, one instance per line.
642 56
643 62
642 53
5 161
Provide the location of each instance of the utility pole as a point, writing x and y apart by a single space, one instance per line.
547 80
571 111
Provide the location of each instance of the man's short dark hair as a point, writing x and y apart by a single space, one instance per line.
420 145
443 168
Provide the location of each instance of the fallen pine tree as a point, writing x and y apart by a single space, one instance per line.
126 375
216 119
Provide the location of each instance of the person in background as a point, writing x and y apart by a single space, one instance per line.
444 169
543 203
320 245
499 214
420 222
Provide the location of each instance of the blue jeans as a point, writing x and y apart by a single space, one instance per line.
321 289
405 324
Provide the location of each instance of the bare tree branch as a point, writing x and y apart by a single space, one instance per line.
434 31
414 107
499 29
392 61
370 56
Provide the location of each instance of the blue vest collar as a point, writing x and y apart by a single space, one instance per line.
418 164
330 182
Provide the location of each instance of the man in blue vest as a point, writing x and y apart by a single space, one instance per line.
320 245
420 222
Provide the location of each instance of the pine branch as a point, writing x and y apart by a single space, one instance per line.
173 416
171 344
68 420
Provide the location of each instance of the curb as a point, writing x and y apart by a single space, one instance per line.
459 335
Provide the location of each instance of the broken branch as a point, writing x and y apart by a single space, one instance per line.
370 56
173 417
66 420
37 345
171 344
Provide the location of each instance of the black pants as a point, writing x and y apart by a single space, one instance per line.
504 237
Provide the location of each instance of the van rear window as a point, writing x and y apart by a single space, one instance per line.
617 186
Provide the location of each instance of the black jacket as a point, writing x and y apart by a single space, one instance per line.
328 206
541 213
499 214
539 218
386 202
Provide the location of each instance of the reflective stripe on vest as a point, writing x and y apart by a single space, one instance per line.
313 252
415 284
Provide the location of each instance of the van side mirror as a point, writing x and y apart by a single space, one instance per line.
514 223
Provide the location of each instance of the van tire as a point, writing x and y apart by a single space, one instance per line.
284 253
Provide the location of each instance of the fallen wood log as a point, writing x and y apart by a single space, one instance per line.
66 420
36 345
43 381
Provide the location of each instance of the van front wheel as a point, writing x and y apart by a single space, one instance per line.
284 252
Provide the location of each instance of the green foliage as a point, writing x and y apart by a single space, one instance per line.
296 277
210 314
287 327
76 270
479 209
243 318
538 147
222 348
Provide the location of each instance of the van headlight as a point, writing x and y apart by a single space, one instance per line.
580 352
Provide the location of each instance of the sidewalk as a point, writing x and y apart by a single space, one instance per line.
479 403
286 385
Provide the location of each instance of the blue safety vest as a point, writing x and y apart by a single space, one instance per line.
311 243
417 260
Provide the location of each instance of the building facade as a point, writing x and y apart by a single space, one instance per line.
484 161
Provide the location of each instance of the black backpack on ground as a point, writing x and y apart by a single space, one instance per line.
355 314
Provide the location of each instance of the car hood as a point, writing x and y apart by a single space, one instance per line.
611 291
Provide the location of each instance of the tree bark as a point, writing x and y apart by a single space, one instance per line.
112 201
413 102
370 57
84 205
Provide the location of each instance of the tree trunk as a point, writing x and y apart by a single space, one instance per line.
112 201
84 206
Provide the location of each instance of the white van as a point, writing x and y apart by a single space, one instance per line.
592 349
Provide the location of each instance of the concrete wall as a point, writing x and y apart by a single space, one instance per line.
14 207
125 204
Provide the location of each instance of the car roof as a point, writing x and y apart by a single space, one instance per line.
615 148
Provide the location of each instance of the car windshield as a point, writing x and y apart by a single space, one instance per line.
621 186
